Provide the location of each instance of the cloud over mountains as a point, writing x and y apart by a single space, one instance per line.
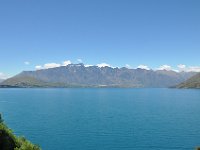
52 65
178 68
3 76
184 68
143 67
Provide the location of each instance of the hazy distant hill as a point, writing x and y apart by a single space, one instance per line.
75 75
1 80
24 81
193 82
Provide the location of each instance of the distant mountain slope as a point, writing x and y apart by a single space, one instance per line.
24 81
1 80
193 82
93 76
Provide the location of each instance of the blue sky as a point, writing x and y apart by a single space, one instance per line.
117 32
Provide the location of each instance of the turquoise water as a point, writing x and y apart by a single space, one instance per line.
104 119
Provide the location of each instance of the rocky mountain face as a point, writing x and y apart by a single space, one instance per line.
77 75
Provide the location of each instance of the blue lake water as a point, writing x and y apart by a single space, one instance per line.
104 119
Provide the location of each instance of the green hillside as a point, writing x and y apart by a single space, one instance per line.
8 141
27 81
193 82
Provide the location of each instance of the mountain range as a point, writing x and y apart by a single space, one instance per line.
78 75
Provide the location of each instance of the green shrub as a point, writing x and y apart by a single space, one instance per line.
1 120
20 143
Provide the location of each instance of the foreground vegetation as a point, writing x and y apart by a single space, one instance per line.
8 141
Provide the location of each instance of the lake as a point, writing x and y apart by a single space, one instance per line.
104 119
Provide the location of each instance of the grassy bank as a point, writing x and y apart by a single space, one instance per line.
8 141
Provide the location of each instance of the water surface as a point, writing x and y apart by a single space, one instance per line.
104 119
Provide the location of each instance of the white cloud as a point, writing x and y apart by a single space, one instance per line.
181 66
27 63
193 69
165 67
79 60
88 65
67 62
188 69
128 66
38 67
103 65
51 65
3 76
143 67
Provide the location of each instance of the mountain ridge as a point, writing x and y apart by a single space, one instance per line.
78 75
